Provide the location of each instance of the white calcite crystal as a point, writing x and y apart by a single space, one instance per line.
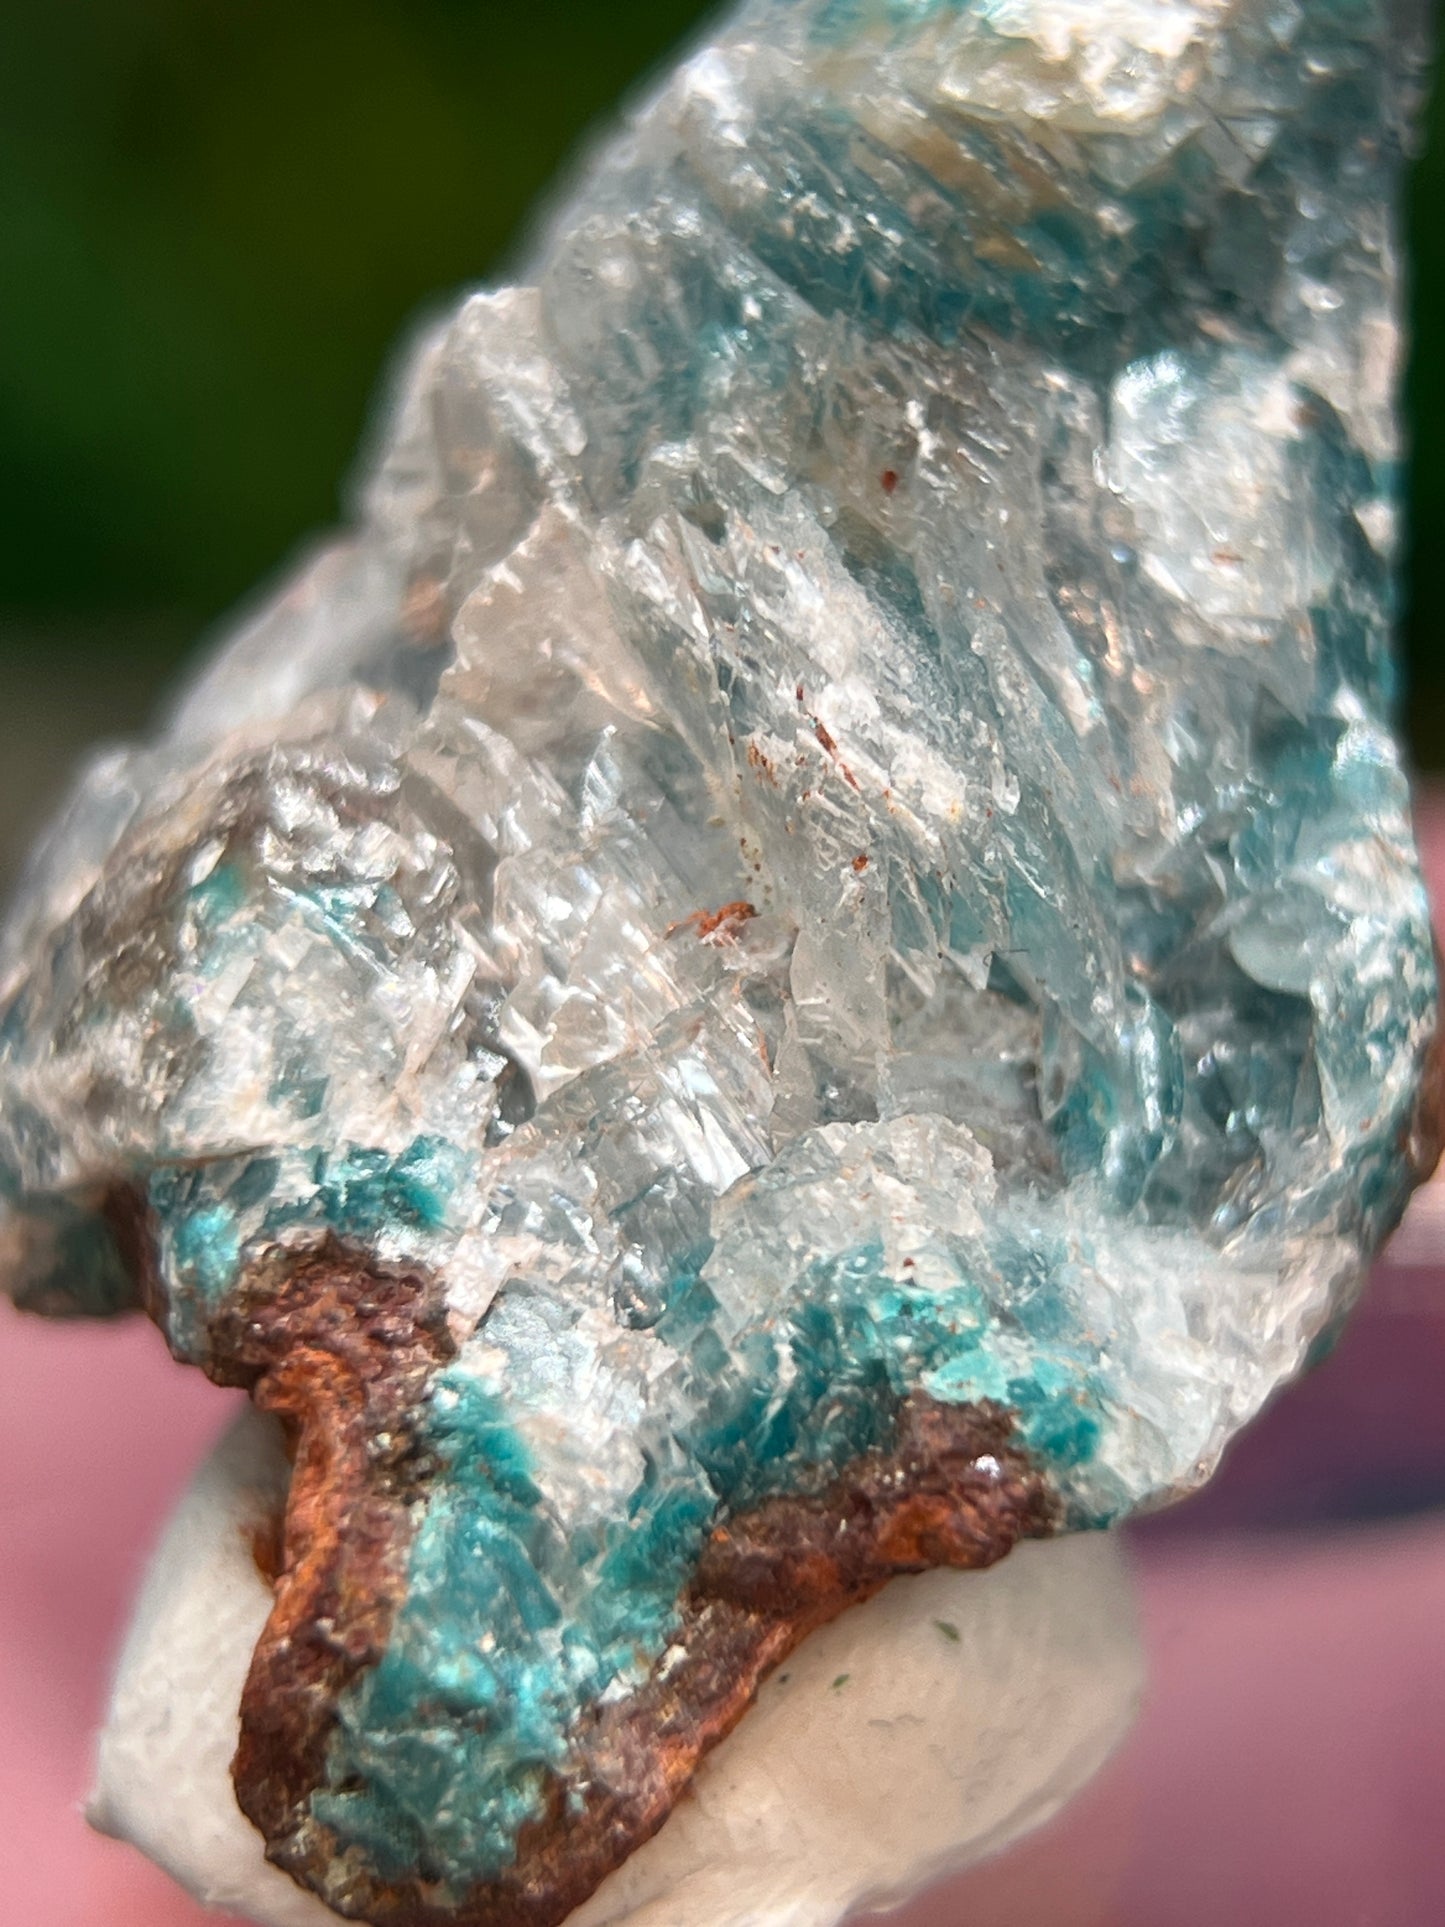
802 956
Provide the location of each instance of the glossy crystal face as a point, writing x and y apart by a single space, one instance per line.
828 852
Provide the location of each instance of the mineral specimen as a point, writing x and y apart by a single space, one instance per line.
804 957
919 1731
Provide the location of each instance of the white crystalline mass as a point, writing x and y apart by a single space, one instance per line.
851 731
825 867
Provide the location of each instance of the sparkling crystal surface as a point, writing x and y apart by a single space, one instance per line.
832 832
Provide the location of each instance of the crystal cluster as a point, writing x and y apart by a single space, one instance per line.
811 929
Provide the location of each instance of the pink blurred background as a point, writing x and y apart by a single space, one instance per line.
1288 1770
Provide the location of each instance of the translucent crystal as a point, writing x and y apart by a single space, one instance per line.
831 836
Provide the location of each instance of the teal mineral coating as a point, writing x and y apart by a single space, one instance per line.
507 1632
217 900
206 1218
440 1753
936 496
361 1192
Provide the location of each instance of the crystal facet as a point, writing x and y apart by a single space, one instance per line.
814 920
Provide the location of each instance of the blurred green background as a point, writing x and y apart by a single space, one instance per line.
215 218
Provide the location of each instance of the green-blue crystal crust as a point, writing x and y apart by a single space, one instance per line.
833 835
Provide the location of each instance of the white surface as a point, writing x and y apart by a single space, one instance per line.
163 1775
885 1752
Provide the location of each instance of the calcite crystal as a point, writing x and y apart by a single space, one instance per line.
804 956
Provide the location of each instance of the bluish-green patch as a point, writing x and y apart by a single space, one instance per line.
361 1192
510 1629
217 898
206 1214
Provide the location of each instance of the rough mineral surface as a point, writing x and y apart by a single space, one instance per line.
804 955
930 1726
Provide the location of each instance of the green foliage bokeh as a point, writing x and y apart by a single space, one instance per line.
217 215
